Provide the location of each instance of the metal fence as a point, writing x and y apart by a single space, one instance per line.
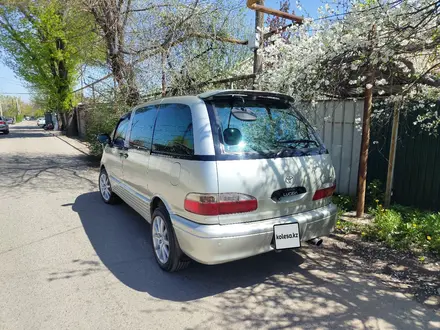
417 165
339 124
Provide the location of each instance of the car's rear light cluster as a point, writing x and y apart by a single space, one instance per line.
217 204
2 122
323 193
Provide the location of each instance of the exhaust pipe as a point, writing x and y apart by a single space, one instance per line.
317 241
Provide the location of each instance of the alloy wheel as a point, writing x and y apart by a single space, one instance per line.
104 185
160 240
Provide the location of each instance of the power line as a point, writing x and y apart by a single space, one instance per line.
1 93
355 11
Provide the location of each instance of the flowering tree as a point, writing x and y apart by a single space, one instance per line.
330 58
377 48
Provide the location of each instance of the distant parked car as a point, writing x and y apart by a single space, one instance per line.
4 127
10 121
41 121
27 118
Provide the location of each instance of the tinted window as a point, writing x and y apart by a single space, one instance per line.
173 133
121 132
142 127
277 130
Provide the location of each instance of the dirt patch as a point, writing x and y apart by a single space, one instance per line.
401 270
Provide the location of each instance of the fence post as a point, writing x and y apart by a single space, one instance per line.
392 155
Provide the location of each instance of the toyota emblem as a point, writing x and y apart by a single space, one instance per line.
289 180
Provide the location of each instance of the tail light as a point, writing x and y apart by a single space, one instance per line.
2 122
323 193
217 204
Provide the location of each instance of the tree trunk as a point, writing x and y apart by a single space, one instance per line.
258 57
363 160
63 118
110 19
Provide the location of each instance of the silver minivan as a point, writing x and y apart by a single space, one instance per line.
220 176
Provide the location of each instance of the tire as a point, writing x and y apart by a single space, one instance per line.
176 260
105 189
6 132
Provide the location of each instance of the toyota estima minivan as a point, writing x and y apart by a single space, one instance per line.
220 176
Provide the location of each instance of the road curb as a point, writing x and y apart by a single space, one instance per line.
78 145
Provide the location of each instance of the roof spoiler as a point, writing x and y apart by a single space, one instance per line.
244 93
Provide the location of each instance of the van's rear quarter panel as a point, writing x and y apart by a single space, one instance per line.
172 179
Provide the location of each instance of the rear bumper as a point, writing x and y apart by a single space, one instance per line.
214 244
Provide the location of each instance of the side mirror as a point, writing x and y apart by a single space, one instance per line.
104 138
232 136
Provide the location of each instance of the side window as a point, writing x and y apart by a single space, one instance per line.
173 133
142 127
121 132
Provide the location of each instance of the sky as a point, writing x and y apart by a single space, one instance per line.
11 85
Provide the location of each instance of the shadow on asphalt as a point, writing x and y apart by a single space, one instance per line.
121 239
28 131
46 173
314 288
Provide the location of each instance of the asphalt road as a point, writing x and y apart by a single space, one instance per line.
68 261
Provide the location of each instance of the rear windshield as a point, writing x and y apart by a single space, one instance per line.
276 129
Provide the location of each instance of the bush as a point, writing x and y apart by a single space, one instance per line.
102 118
344 202
19 118
404 227
374 193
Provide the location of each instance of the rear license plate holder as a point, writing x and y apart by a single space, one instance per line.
286 236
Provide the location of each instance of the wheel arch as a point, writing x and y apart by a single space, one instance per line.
157 201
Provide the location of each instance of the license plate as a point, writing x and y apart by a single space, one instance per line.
286 236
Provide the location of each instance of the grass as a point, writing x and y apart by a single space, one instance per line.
405 228
399 227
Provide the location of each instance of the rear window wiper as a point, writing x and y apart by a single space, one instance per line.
299 141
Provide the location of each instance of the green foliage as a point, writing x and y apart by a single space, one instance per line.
44 42
375 193
345 203
404 228
39 113
19 118
102 119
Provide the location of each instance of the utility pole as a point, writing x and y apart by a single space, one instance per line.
1 108
18 106
259 35
365 143
392 155
164 79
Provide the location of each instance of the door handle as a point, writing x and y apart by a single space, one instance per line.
123 154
